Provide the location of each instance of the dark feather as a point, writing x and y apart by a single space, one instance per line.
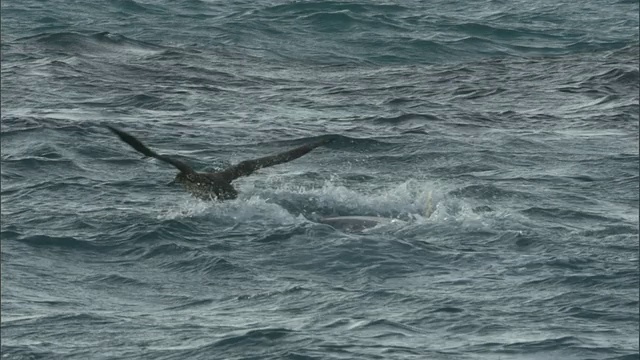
141 148
247 167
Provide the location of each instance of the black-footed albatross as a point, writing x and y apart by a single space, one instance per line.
217 185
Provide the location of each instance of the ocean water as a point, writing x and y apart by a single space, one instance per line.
503 135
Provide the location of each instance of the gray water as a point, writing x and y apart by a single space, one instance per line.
502 135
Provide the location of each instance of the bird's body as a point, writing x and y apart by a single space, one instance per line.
207 185
217 185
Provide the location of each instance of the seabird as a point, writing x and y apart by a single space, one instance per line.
217 185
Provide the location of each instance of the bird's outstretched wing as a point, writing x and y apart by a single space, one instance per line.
247 167
140 147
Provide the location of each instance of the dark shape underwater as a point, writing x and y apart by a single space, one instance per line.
217 185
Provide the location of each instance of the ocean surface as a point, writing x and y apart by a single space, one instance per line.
502 136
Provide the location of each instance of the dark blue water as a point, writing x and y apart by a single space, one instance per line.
502 135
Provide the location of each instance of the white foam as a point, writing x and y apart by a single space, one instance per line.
240 210
265 201
411 197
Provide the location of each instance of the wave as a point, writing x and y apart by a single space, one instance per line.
70 318
567 214
612 280
192 304
260 341
315 6
135 7
404 118
492 192
203 264
140 101
113 280
67 242
496 32
259 337
95 44
619 75
384 34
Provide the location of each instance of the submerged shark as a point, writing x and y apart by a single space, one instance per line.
358 223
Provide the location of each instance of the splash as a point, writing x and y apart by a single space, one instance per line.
254 209
412 197
286 203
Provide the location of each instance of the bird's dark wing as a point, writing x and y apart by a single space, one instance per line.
140 147
249 166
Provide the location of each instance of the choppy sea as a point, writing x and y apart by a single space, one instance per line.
502 135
